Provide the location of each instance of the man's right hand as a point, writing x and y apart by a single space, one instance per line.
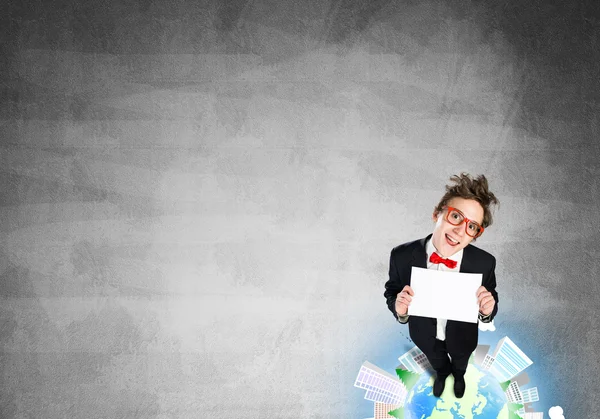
403 300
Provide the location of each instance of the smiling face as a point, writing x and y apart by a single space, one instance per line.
449 239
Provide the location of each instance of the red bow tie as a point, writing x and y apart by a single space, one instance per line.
435 258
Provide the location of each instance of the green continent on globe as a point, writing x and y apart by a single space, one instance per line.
483 398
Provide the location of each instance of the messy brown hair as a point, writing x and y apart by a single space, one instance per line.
467 187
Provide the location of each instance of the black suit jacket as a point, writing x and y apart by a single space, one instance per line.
461 337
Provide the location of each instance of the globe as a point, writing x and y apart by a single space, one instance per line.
483 398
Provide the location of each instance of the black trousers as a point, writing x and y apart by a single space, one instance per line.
441 363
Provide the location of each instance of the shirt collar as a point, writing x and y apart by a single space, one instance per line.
430 248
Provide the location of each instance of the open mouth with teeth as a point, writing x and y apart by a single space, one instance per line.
451 241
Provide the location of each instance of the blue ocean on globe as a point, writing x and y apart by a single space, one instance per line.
483 398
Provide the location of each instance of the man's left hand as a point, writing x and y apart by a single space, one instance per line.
486 301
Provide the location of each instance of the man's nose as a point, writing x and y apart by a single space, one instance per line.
459 229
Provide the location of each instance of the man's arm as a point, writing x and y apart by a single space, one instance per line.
489 296
393 287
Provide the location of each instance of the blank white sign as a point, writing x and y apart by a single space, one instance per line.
444 295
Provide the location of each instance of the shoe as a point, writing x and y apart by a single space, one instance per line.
438 385
459 387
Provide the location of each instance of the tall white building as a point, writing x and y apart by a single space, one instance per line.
380 385
513 393
509 360
530 395
487 362
415 361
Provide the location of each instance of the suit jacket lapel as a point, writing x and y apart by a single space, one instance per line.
467 264
419 255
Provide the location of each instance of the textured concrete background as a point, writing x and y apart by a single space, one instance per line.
198 199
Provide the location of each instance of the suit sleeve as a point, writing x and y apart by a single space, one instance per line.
490 284
393 286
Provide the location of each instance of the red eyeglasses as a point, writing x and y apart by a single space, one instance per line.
456 218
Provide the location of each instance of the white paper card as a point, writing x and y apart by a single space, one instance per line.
444 295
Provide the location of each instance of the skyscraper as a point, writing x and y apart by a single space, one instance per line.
509 360
415 361
381 410
530 395
522 379
480 353
380 385
487 362
513 393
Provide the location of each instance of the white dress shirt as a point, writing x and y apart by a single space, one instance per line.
457 257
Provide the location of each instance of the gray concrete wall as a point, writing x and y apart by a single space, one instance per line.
198 200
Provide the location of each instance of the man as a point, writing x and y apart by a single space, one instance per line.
460 217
